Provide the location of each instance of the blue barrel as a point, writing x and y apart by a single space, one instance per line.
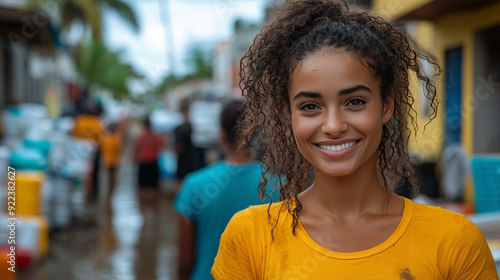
28 159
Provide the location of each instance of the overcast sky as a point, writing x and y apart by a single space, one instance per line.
193 22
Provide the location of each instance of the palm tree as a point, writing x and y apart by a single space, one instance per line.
104 69
88 12
202 68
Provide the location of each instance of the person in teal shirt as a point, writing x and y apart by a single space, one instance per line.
210 196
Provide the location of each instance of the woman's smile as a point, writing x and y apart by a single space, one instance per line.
337 152
337 148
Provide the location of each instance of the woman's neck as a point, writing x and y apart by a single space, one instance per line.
348 196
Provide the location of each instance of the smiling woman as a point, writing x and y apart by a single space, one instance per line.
329 89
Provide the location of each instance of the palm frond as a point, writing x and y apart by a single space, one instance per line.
104 68
37 4
122 9
91 15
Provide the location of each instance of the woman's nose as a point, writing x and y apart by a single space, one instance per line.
334 123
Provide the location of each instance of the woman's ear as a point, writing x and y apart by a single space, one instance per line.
223 136
388 108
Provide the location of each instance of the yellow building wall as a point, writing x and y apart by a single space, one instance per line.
457 30
391 9
428 141
438 36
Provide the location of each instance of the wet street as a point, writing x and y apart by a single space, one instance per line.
113 243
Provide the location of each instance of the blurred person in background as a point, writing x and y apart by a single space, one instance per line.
210 196
147 147
111 147
184 147
88 126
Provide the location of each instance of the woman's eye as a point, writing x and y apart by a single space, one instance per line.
309 107
356 102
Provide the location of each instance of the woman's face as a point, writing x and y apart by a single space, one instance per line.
336 112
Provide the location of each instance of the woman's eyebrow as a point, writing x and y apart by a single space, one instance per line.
354 89
310 94
307 94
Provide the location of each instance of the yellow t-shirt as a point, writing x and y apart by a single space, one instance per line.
429 243
88 127
111 149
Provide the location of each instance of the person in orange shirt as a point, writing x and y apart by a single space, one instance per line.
147 148
111 148
88 126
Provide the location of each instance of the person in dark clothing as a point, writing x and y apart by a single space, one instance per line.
184 146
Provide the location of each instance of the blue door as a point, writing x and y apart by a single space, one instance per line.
453 96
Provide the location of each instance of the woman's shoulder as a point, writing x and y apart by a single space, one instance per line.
462 246
438 219
259 211
260 217
432 212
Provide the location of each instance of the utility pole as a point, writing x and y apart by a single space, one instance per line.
165 16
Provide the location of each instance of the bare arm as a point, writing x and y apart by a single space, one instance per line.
186 247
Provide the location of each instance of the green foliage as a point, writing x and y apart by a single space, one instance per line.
200 62
203 65
104 68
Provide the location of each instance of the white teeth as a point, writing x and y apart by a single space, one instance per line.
338 147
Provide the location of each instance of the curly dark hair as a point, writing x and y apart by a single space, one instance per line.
299 28
231 113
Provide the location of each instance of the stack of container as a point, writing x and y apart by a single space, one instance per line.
486 177
29 159
32 227
52 159
51 167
